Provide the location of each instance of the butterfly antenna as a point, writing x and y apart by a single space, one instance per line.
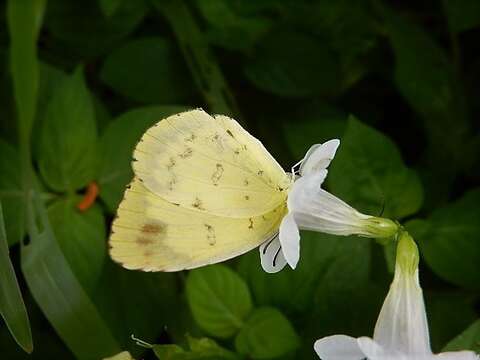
141 343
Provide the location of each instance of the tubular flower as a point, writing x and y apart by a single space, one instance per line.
401 332
312 208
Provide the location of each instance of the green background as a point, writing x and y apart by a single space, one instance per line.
397 82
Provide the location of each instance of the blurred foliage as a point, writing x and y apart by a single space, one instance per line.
80 82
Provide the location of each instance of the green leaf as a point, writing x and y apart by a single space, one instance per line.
203 66
449 240
155 74
444 328
117 144
462 15
319 252
81 30
24 19
59 294
368 172
124 355
204 349
109 7
219 299
266 334
126 313
467 340
349 27
429 84
67 154
229 28
11 193
309 70
316 123
169 352
82 238
12 307
51 79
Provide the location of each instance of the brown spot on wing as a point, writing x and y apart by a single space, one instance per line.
144 241
152 229
171 164
230 133
187 153
211 237
190 138
217 174
251 223
148 253
197 204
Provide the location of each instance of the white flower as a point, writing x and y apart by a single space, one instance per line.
401 332
312 208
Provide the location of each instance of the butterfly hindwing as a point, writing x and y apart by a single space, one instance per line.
152 234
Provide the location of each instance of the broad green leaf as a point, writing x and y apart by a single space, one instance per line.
124 355
169 352
59 294
12 307
426 79
449 240
318 253
346 301
208 347
266 334
109 7
24 19
68 144
219 299
309 70
82 238
11 193
316 123
117 298
51 78
204 68
155 73
444 328
117 144
368 172
80 29
203 348
47 345
349 27
229 28
467 340
462 15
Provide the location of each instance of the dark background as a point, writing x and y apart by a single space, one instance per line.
397 81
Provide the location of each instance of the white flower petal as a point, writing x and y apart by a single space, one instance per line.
316 209
457 355
402 323
319 156
289 236
374 351
271 256
338 347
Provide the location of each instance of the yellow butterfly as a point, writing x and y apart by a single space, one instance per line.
204 191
